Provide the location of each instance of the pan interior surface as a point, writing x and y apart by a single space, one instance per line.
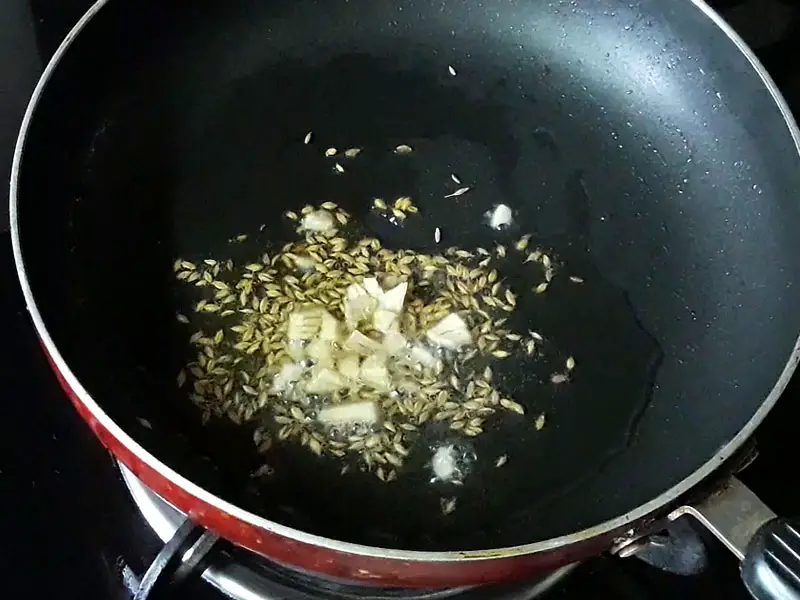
637 143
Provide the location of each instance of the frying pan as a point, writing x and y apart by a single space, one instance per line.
641 143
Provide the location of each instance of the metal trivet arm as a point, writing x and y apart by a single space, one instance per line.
182 557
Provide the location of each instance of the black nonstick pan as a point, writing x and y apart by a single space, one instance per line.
640 144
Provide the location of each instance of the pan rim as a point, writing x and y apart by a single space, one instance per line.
639 513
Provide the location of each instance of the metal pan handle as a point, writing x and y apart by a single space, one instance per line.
767 546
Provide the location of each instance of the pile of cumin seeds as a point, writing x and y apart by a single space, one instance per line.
240 325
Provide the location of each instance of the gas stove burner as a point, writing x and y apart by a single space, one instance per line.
246 576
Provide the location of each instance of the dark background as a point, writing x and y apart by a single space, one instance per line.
19 68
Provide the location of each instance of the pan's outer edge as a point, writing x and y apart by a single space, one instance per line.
104 420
